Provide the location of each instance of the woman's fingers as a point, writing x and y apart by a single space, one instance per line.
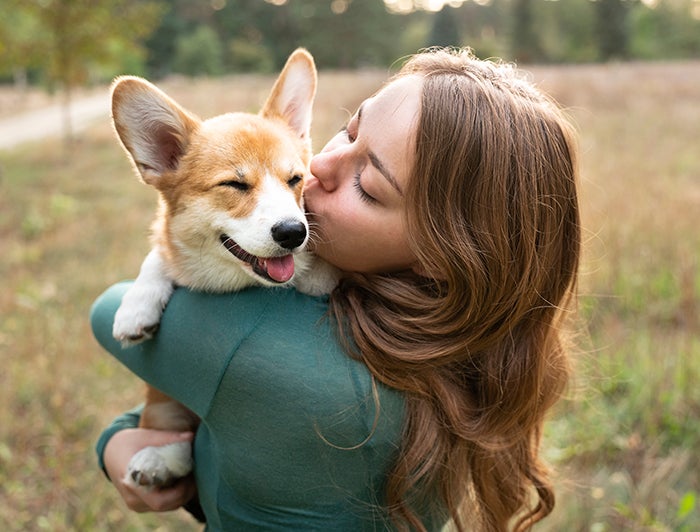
117 455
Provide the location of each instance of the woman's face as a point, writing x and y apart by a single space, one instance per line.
355 195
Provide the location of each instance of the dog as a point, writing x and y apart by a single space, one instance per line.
230 216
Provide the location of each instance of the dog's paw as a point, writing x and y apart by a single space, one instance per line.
133 328
160 467
128 337
136 320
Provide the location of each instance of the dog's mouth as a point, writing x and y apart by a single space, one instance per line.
273 269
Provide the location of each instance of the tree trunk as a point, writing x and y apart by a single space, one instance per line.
68 136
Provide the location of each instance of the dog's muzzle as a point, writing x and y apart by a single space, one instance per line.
273 269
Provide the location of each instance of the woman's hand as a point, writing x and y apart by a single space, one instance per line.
117 454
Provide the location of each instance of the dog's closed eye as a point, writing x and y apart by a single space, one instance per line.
238 185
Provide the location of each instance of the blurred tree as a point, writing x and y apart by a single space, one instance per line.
445 30
485 27
415 32
246 56
73 35
612 29
671 30
199 53
19 52
262 25
566 30
364 33
525 45
68 41
341 33
160 44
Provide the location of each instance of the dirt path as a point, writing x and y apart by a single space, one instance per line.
48 121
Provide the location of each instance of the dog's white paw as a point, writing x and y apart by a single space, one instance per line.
159 467
137 318
139 314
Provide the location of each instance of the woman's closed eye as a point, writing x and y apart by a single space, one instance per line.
364 196
345 131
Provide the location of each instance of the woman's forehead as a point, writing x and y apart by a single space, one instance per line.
399 101
399 89
389 121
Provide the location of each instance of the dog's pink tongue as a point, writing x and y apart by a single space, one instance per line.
281 269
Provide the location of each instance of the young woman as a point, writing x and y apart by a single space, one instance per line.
417 392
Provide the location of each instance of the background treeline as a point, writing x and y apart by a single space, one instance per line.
70 42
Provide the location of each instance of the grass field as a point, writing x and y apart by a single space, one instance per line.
625 444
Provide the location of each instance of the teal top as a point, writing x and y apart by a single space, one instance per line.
290 438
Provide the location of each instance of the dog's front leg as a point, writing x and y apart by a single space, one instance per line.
319 279
138 316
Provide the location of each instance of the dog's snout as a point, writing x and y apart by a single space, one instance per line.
289 234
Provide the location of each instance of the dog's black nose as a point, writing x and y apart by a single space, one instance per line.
289 234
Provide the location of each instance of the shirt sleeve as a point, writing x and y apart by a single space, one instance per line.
198 335
128 420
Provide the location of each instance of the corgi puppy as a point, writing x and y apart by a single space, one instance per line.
230 215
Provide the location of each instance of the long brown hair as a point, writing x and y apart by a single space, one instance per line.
475 343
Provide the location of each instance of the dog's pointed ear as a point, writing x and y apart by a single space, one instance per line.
292 96
153 128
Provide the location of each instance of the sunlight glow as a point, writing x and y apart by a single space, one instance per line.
406 6
339 6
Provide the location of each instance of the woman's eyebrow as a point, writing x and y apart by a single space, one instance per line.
376 162
382 170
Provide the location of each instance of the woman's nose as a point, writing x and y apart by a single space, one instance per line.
324 168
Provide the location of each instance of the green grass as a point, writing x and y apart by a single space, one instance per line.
624 443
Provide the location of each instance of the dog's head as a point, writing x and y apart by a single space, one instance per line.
231 186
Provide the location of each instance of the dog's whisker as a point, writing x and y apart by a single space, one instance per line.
316 237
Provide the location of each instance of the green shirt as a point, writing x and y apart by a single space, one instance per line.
290 436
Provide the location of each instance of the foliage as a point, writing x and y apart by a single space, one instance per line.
525 42
245 56
612 26
20 40
566 31
72 39
71 36
445 31
662 33
199 53
95 39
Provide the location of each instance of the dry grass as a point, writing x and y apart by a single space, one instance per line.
630 438
625 444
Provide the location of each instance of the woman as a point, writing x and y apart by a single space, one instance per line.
450 199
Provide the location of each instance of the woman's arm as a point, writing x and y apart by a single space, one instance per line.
128 420
118 452
115 447
198 335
